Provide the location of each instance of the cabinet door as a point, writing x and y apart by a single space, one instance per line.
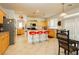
1 19
6 40
0 45
1 16
3 45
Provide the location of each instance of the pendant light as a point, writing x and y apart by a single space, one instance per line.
63 11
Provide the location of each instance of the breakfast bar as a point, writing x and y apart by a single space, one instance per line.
37 36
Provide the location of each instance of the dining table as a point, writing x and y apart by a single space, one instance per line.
74 42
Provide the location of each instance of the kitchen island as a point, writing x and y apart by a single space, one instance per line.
37 36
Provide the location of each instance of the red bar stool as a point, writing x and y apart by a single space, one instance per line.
45 32
32 33
40 32
46 35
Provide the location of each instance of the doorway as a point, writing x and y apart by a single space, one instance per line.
20 32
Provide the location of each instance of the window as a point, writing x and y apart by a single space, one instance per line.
20 25
72 24
52 23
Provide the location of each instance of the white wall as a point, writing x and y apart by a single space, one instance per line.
72 24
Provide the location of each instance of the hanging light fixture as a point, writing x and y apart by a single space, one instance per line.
63 11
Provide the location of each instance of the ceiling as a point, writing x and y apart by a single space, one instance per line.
43 9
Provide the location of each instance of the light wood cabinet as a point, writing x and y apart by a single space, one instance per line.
1 16
20 31
4 42
52 33
1 19
0 45
42 23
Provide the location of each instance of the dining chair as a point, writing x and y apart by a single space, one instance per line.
65 43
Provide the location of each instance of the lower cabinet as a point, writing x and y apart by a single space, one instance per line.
20 31
4 42
52 33
0 45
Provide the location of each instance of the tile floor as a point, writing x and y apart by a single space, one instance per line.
22 47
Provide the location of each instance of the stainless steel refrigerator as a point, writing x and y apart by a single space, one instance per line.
8 25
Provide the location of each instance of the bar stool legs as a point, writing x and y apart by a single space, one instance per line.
68 52
59 50
65 52
77 52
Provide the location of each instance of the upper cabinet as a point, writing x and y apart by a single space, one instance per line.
1 16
